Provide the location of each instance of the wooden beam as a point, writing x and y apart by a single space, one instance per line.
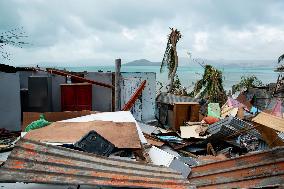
78 78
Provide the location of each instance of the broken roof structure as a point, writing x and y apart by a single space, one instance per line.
260 169
34 162
167 98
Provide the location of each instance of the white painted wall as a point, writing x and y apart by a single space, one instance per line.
144 108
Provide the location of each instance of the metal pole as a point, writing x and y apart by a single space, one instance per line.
117 85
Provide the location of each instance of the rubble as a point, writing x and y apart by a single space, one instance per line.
192 144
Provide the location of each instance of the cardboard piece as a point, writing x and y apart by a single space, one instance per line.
190 131
122 134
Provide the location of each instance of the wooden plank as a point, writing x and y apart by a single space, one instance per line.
270 121
77 78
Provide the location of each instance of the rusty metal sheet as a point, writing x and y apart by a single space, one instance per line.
121 134
259 169
34 162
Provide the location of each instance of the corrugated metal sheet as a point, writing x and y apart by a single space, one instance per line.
232 126
259 169
34 162
168 98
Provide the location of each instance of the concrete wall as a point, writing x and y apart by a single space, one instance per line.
56 91
102 96
10 105
144 108
56 81
24 75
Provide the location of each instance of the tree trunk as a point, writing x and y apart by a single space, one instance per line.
174 70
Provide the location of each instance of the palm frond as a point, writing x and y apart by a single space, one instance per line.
280 58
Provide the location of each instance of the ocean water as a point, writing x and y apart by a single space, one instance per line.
189 75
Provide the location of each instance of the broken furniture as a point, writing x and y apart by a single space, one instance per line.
183 112
174 110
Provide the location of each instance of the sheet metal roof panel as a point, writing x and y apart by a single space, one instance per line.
252 170
168 98
33 162
231 126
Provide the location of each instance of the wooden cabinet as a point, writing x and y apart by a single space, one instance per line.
76 97
183 112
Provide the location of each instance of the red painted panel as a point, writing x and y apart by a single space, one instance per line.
76 97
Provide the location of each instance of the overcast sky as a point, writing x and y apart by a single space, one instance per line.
68 32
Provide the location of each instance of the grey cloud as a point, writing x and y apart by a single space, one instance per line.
134 29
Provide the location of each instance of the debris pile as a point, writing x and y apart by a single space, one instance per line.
193 144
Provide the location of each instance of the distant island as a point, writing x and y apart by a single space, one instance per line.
185 62
142 62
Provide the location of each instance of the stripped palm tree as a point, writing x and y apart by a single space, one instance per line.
170 59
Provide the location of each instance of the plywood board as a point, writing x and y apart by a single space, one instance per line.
269 136
122 134
270 121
